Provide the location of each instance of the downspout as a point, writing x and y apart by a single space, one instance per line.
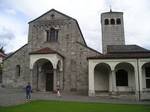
138 79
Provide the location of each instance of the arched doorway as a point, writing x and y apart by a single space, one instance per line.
43 75
125 77
101 77
121 77
146 75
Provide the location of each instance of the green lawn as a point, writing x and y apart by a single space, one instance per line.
63 106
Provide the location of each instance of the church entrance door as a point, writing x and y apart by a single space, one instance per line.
49 81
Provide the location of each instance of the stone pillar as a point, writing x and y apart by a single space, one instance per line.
110 82
54 80
31 76
114 88
91 81
138 80
136 73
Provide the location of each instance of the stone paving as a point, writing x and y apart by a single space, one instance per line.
14 97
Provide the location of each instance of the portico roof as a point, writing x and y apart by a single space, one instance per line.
124 52
45 50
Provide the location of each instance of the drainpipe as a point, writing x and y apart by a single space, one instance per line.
138 79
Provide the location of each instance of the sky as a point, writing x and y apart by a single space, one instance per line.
15 15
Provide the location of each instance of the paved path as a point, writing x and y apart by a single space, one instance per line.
14 97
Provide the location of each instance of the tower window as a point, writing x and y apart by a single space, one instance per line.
106 21
118 21
52 35
112 21
121 78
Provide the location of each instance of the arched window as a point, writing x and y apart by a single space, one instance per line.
118 21
112 21
18 70
52 35
106 21
121 78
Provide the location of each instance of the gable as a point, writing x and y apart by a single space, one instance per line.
52 14
57 19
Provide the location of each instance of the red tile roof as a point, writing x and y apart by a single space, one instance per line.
2 55
122 56
45 50
124 52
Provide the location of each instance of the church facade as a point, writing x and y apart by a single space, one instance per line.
57 57
54 57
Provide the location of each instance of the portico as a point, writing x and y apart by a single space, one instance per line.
46 70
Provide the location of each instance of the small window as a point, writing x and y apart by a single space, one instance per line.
18 70
52 35
118 21
106 22
112 21
121 78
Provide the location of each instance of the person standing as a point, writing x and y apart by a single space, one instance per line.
28 91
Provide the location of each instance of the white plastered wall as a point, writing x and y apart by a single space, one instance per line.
53 58
112 63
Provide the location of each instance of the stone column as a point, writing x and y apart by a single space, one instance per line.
138 80
136 73
91 81
110 82
54 80
114 89
31 76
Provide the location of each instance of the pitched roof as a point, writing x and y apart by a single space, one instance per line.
51 11
12 53
45 50
65 16
124 52
125 49
122 56
2 55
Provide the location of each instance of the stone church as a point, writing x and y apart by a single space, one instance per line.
57 56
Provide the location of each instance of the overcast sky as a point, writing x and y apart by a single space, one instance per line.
15 15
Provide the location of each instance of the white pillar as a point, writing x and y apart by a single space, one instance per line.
91 80
110 82
138 77
114 89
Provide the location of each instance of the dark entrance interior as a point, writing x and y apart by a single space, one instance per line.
48 72
49 81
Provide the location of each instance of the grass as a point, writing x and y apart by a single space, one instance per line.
64 106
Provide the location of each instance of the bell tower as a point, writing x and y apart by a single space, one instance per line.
112 29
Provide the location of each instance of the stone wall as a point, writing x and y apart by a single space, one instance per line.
69 37
10 78
70 44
